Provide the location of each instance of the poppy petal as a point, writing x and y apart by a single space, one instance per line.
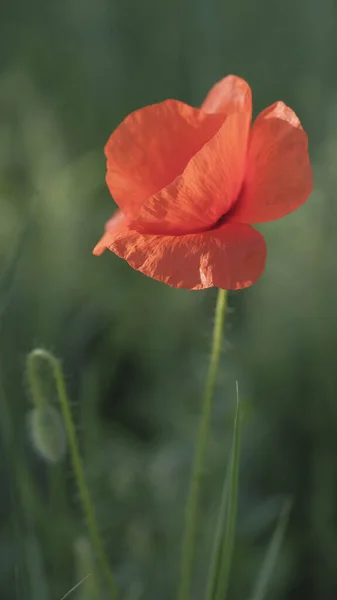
151 147
231 94
230 257
279 175
114 224
206 190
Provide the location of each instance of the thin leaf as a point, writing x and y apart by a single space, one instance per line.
269 563
76 586
225 532
217 544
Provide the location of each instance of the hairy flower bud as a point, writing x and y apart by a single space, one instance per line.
47 433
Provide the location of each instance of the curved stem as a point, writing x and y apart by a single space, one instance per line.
87 506
34 381
192 505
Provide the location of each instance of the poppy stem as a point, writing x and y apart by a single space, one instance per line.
88 510
193 499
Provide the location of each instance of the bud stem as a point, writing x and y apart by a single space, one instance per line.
87 506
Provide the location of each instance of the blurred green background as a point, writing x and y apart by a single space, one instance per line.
134 351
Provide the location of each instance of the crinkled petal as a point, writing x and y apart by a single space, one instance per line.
151 147
208 187
115 224
230 257
231 94
279 175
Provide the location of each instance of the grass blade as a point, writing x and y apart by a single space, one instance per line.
269 563
75 587
225 531
217 544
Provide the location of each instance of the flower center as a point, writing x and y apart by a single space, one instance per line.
226 216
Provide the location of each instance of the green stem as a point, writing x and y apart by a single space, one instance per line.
87 506
192 505
34 379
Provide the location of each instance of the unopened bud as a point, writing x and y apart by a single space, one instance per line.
47 433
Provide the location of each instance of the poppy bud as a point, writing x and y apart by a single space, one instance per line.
47 433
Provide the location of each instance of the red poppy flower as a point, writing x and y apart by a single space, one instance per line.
190 183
